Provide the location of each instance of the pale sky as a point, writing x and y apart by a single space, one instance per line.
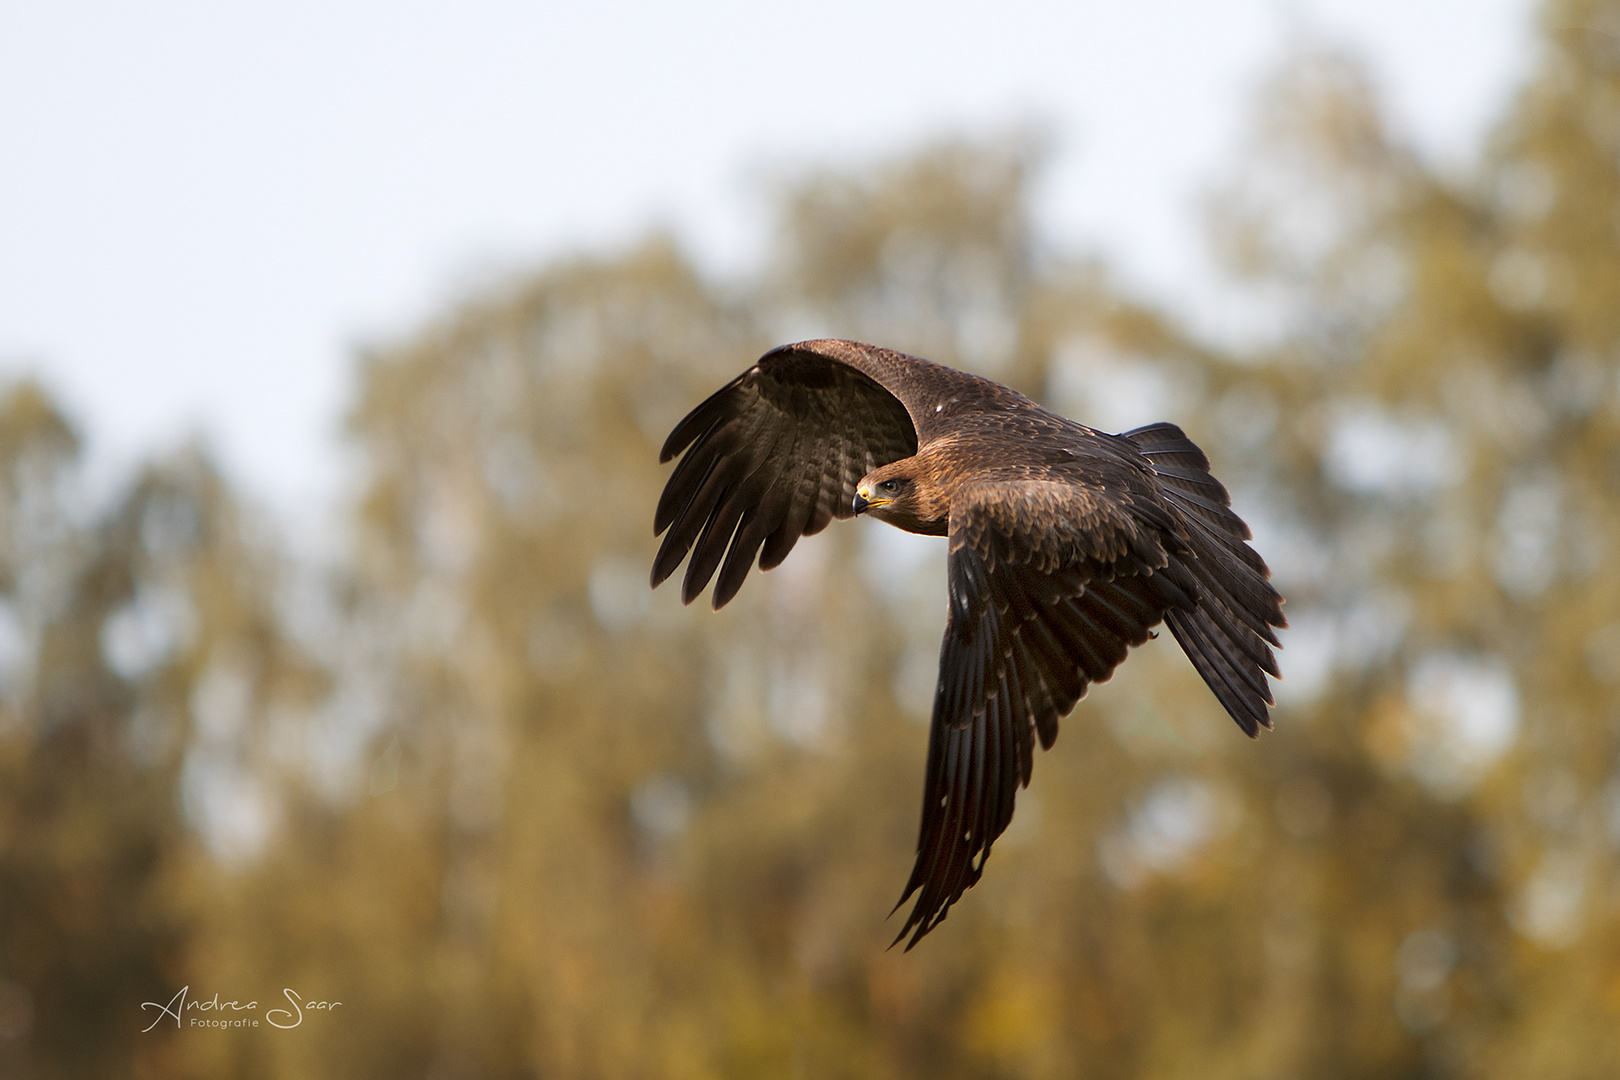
206 207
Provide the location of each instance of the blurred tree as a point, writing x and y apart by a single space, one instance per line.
134 648
524 817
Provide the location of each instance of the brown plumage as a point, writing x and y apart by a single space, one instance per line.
1066 547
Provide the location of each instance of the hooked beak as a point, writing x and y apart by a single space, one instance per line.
865 502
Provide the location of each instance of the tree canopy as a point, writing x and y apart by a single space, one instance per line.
524 817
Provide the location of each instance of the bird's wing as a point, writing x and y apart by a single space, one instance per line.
1051 582
776 454
1228 635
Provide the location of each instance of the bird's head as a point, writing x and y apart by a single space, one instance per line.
898 494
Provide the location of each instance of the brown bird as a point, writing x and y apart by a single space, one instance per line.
1066 546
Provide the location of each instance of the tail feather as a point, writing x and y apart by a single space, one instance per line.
1228 636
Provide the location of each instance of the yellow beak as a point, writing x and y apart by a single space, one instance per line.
865 502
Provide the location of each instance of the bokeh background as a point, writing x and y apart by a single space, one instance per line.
451 763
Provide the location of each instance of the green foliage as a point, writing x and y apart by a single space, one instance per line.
523 816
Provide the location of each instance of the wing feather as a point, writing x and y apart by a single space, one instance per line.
1227 636
1098 651
776 454
1195 640
676 543
1026 632
732 505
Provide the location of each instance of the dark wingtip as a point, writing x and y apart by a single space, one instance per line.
666 562
924 928
678 440
695 423
912 921
664 566
921 928
693 585
658 579
1249 720
686 432
1257 721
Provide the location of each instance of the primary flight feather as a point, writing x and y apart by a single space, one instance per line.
1067 546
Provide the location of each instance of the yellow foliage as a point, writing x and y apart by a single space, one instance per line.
523 816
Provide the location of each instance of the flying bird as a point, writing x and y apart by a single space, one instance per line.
1067 545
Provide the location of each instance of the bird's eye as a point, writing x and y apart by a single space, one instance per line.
889 485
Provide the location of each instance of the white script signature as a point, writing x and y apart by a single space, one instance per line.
224 1014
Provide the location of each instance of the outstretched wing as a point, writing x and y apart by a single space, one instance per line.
1051 582
776 455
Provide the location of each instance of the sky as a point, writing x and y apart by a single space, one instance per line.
207 210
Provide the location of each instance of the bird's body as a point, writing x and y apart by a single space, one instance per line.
1066 546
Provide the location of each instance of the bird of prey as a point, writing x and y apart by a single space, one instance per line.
1066 547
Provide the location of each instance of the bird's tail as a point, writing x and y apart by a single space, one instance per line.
1228 634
